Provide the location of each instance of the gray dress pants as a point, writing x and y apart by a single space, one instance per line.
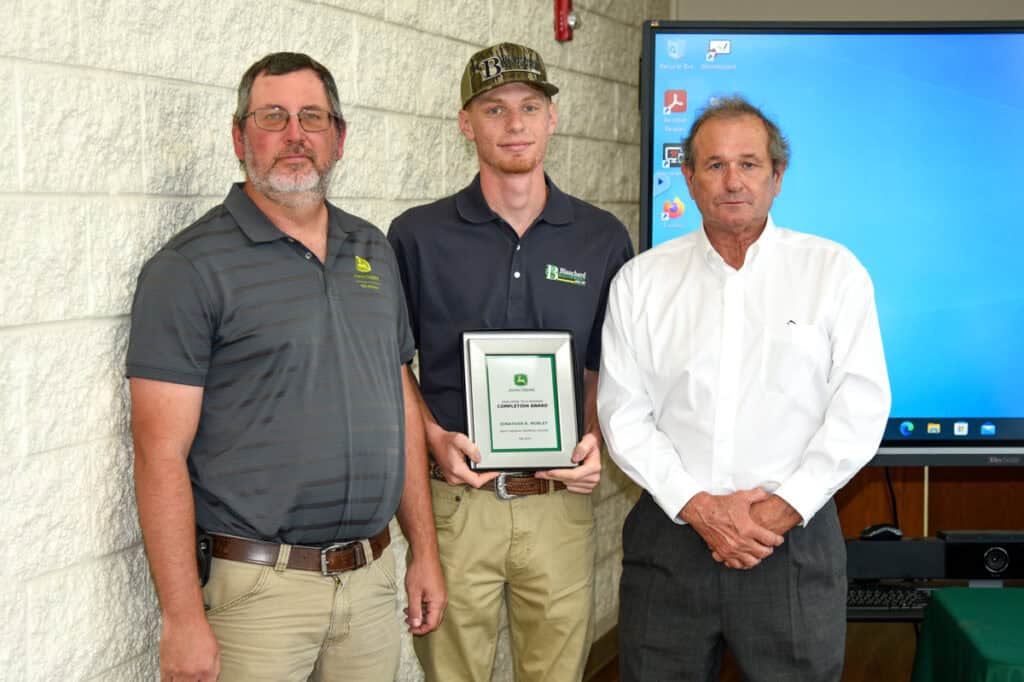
785 619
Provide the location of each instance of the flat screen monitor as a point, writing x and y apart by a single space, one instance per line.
908 148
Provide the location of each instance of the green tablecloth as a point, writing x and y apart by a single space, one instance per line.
972 635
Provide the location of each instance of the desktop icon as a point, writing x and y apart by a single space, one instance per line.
674 101
934 427
671 210
907 428
717 47
988 429
959 428
676 49
671 155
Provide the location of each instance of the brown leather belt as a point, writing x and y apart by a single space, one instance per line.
328 560
509 485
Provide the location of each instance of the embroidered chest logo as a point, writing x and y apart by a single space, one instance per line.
565 275
364 276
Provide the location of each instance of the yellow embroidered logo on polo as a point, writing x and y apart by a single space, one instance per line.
363 276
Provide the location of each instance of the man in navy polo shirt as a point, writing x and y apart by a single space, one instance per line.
271 407
510 251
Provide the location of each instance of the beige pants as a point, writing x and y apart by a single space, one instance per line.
279 624
534 553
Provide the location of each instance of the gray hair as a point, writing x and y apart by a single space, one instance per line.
734 107
278 64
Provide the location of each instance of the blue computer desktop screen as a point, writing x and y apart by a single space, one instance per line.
909 150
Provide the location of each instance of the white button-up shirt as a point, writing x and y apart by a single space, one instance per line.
715 379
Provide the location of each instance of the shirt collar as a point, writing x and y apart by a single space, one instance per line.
255 224
754 252
473 208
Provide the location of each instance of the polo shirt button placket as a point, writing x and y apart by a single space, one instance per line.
516 262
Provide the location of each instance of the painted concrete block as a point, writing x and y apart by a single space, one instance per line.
189 130
10 174
606 48
46 31
365 171
44 258
81 131
418 152
465 20
14 630
145 666
407 71
83 617
70 402
586 105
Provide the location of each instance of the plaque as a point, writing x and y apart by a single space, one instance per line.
520 398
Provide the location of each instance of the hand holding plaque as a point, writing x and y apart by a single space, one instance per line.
520 398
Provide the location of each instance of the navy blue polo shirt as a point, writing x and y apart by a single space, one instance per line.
301 433
463 268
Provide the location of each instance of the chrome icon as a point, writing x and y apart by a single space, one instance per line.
907 429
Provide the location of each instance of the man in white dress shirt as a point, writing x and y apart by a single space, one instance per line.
742 384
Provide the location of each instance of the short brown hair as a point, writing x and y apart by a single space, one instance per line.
278 64
733 107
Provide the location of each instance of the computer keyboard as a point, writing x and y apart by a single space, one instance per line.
883 601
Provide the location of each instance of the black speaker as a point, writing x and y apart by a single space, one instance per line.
984 554
907 558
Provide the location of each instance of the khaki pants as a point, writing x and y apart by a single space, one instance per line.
536 554
279 624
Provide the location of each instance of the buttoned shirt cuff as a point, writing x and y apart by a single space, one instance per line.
805 494
673 495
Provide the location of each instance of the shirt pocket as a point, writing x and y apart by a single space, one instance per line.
795 358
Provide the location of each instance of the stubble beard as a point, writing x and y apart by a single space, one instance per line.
518 166
290 189
524 164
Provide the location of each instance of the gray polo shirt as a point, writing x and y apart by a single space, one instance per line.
301 435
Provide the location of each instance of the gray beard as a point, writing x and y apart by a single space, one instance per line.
291 192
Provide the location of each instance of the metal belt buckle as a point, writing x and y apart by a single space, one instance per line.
501 489
357 551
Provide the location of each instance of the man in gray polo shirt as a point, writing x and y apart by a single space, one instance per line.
271 408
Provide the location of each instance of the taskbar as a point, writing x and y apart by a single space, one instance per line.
953 431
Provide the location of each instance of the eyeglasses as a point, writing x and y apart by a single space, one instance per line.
275 119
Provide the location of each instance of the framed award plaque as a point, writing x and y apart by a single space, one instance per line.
520 398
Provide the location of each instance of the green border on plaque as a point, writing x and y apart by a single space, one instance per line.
554 384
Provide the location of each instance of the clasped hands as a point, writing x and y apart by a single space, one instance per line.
450 450
743 528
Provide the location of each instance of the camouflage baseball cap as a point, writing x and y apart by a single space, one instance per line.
501 64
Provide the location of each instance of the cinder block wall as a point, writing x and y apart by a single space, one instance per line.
115 134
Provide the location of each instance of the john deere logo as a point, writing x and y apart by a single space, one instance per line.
520 380
362 265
